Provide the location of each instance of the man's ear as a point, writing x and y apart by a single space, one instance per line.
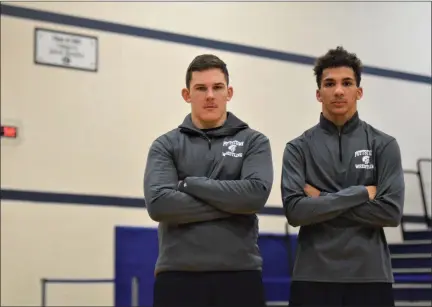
230 92
186 95
359 93
318 95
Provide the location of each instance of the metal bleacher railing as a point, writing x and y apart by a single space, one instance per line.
134 295
424 190
46 281
422 182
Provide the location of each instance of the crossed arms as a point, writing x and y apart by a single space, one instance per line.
305 205
199 199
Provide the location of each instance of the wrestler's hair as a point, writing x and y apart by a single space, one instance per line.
204 62
338 57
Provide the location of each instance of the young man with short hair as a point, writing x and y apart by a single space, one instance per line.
205 181
342 182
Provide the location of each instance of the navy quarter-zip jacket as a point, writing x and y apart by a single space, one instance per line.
205 189
341 237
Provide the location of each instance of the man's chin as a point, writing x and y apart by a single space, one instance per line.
211 116
339 111
211 119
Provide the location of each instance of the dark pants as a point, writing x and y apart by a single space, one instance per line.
203 289
341 294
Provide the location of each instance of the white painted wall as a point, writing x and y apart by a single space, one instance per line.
89 133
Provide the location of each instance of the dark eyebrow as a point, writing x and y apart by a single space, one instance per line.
344 79
199 85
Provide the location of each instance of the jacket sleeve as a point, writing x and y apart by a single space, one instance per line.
164 202
247 195
302 210
386 209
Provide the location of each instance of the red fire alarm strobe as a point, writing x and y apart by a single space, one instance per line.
9 132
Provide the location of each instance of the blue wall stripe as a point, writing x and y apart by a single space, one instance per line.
67 198
90 200
63 19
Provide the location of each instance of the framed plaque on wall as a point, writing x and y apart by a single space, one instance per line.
68 50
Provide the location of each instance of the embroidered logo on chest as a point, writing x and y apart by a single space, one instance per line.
363 159
232 149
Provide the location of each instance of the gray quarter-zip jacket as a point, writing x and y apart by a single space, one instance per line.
205 189
341 237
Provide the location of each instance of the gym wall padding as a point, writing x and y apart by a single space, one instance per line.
136 251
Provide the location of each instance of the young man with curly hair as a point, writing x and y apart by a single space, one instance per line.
342 183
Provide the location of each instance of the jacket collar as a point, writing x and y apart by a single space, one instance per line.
231 126
348 127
